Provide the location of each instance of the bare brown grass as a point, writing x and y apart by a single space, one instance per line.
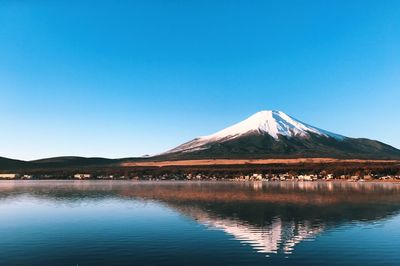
210 162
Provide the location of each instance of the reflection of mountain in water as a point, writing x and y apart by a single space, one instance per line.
279 236
278 228
273 226
271 217
276 236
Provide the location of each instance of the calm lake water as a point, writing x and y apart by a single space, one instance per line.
198 223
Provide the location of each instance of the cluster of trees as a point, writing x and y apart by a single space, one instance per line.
337 169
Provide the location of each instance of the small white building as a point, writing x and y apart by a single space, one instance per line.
257 176
8 176
82 176
305 177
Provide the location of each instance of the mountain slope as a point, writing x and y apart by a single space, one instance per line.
57 162
274 134
71 161
6 163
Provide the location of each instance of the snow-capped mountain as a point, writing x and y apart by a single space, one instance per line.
268 134
273 123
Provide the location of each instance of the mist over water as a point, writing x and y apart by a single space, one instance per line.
198 223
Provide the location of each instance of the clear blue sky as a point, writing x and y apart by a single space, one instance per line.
127 78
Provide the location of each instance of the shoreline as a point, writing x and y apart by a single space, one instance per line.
301 169
226 162
222 180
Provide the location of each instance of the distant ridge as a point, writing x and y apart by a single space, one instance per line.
58 162
6 163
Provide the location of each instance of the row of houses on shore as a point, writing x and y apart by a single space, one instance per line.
15 176
199 176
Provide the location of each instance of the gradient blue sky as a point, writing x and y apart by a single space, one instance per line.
127 78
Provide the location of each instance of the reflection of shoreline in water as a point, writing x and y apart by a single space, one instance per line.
272 217
314 193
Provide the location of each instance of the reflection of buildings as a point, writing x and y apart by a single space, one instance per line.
277 237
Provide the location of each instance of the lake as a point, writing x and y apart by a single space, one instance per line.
198 223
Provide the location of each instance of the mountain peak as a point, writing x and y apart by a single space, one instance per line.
266 122
272 122
274 134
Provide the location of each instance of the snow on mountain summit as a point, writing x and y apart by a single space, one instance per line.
273 123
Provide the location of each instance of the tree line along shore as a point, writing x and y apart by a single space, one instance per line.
355 171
